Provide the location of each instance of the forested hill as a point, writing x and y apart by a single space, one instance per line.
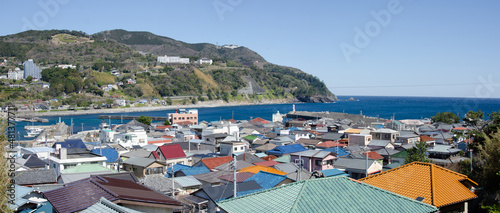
235 72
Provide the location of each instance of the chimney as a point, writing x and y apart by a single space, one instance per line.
63 154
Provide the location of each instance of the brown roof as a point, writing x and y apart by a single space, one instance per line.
426 138
216 161
79 195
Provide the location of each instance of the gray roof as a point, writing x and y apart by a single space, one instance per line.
106 206
295 175
72 177
248 157
187 181
331 136
211 177
239 165
384 131
159 183
281 139
312 153
136 153
137 161
286 167
266 147
308 141
444 149
260 141
382 143
386 151
34 177
352 163
47 187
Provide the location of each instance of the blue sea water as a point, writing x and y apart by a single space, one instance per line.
381 106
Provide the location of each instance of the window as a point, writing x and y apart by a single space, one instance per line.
318 162
386 136
235 148
242 148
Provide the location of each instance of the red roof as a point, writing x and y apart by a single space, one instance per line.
155 155
216 161
426 138
267 163
259 120
161 127
167 136
329 144
374 155
172 151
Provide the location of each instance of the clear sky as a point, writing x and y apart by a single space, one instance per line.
391 48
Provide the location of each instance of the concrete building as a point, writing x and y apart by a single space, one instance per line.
359 139
16 74
131 136
204 61
31 69
172 60
385 134
230 148
184 116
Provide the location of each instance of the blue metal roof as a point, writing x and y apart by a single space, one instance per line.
337 150
281 150
110 153
333 172
71 143
188 170
266 180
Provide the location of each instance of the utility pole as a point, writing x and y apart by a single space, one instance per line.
234 175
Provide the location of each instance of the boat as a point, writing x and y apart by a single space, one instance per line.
32 134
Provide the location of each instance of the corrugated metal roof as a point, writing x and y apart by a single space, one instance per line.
106 206
187 181
257 169
315 195
138 161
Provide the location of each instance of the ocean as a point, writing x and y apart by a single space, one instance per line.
381 106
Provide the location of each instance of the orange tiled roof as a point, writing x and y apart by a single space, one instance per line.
439 186
328 144
260 120
460 128
216 161
256 169
374 155
426 138
353 131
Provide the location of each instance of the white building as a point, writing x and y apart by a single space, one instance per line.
62 160
230 148
204 61
277 117
231 46
172 60
31 69
16 74
131 136
65 66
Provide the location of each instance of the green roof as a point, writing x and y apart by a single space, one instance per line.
250 137
402 154
335 194
283 159
86 168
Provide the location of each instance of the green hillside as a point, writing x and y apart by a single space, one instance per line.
131 53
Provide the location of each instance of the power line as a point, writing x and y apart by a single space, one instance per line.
415 85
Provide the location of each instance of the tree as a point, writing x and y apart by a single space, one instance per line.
144 119
446 117
418 153
29 79
473 118
167 122
489 151
169 101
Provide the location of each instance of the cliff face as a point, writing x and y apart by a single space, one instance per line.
317 99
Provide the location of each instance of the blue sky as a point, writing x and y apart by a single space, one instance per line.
390 48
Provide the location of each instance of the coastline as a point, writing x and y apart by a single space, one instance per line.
204 104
